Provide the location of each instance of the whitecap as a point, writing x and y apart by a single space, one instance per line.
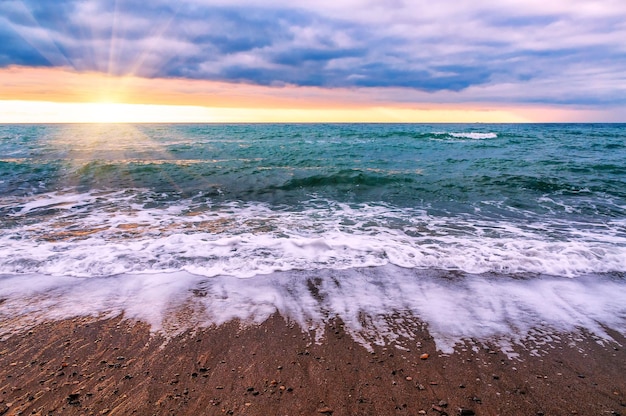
474 135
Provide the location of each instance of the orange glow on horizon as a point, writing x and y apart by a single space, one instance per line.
49 112
58 95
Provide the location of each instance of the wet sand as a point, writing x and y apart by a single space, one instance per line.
116 367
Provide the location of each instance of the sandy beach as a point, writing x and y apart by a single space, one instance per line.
117 367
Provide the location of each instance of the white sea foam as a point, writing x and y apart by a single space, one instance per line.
57 201
474 135
108 253
494 309
467 135
248 254
245 240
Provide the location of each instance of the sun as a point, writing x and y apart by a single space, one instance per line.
107 112
112 112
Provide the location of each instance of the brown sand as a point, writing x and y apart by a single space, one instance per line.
115 367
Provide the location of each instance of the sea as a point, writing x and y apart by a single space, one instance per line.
480 233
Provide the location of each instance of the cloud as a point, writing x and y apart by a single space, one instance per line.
519 51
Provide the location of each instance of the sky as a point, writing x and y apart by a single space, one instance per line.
328 60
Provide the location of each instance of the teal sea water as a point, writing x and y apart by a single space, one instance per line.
545 199
491 203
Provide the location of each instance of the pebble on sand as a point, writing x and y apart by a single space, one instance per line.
438 409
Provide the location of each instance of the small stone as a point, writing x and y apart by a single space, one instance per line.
466 412
443 403
409 378
421 412
326 410
424 356
73 399
438 409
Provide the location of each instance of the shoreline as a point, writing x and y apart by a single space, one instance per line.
117 366
384 304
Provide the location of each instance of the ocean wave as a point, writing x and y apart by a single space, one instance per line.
354 177
468 135
474 135
100 234
377 306
246 255
446 223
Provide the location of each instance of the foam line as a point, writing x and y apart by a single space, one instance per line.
499 309
244 240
